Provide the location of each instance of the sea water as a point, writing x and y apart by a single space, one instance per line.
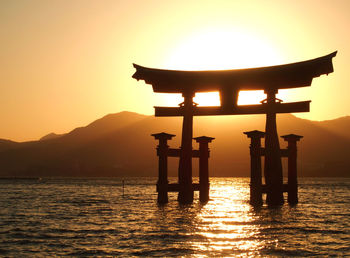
93 217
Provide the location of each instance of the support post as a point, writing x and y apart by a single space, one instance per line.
255 167
185 163
292 140
228 98
204 167
162 153
273 163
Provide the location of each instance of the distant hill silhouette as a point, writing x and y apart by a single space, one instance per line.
339 126
7 144
50 136
120 145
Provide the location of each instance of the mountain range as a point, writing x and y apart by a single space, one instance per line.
121 145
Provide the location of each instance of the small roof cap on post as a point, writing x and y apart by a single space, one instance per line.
203 139
289 137
255 133
163 135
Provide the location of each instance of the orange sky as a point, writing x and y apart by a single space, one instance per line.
65 63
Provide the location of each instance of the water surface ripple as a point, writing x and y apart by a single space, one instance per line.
91 217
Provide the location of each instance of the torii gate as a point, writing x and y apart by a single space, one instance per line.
228 83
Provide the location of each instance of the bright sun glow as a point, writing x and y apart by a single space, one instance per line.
215 49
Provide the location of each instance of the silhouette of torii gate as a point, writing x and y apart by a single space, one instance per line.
228 83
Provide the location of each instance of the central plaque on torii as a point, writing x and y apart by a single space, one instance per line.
228 83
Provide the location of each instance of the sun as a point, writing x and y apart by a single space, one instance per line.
216 49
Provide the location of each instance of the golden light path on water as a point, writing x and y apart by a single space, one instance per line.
228 223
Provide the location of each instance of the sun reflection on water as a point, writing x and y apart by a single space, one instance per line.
228 223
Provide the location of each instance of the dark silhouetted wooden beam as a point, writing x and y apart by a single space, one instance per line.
284 76
293 107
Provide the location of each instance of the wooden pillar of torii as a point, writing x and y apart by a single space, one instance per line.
292 140
185 163
228 83
273 163
182 187
255 167
257 188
